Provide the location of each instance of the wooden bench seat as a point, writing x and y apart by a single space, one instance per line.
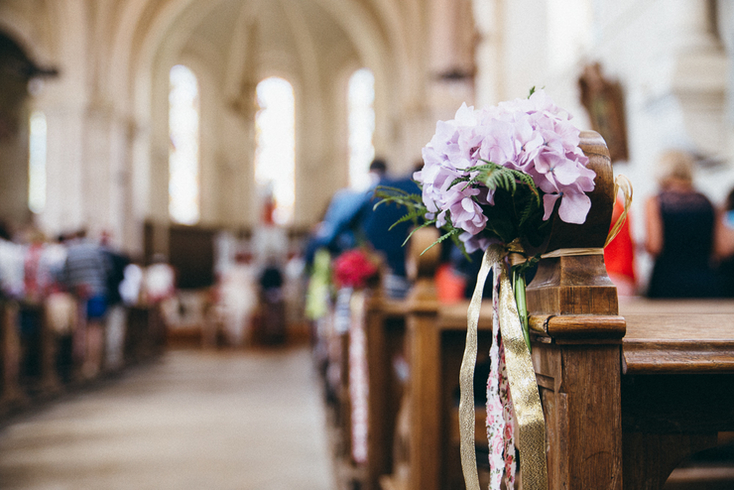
658 350
677 388
678 336
628 390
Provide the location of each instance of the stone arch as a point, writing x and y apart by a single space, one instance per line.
385 35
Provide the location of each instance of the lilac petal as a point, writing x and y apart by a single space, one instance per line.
574 207
549 202
467 204
566 171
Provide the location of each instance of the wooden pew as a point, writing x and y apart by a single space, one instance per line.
677 384
614 419
12 397
383 325
145 333
623 412
19 391
434 342
385 334
383 322
331 350
625 398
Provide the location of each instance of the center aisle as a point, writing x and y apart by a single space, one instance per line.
195 420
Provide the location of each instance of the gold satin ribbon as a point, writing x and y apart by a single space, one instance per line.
572 252
521 378
467 415
523 390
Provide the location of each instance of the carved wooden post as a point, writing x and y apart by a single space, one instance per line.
50 383
577 345
384 326
424 344
12 394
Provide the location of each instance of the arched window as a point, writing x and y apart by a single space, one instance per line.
275 154
183 156
37 163
361 97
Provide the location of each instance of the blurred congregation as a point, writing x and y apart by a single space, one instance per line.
205 174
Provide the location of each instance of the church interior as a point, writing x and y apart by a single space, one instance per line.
216 161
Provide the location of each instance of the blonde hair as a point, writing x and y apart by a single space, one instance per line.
675 165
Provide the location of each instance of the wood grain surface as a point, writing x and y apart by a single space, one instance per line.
681 336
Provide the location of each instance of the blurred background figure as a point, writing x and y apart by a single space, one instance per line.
238 300
11 265
680 233
86 271
86 274
338 229
116 313
61 307
272 304
376 223
159 283
36 285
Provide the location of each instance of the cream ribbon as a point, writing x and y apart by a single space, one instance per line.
621 183
467 415
521 377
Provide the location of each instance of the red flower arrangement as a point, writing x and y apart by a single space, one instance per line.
354 268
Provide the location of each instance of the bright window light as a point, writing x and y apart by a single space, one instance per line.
37 163
183 156
361 98
275 154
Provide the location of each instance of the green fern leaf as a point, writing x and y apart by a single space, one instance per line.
420 227
453 232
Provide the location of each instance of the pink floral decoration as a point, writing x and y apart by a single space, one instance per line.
354 268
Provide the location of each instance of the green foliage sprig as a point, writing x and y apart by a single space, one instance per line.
517 210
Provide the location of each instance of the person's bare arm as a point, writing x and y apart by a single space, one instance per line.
654 227
723 237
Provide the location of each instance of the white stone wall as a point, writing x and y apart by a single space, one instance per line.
675 72
107 112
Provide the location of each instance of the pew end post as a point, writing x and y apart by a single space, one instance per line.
576 332
424 355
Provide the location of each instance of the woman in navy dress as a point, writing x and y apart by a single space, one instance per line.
680 234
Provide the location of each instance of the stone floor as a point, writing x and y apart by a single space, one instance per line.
193 420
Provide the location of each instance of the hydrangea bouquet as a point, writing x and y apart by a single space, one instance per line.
496 175
492 180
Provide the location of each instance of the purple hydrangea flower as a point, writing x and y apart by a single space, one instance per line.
531 135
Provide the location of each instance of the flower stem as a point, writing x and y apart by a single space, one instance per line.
522 306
